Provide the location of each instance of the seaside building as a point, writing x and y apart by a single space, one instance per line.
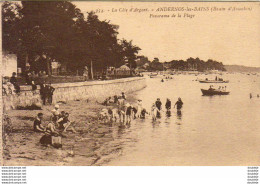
9 64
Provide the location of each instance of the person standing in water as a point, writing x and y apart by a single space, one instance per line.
154 112
168 104
128 113
179 104
139 108
158 104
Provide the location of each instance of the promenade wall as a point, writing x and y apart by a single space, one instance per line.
91 90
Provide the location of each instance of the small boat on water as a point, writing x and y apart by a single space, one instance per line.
213 81
211 92
153 75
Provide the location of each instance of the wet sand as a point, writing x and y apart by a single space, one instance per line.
89 146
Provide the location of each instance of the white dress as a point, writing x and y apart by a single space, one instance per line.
139 109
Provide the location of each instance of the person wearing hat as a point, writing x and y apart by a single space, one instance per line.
55 113
56 109
179 104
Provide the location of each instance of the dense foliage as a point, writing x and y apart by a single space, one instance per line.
42 32
190 64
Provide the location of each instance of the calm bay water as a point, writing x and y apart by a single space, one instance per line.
218 130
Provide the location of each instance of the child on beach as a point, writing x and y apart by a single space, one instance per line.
65 123
52 136
37 124
55 112
115 115
143 113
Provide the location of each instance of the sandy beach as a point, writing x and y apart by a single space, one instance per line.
90 143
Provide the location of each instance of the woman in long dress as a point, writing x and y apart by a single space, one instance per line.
154 111
139 108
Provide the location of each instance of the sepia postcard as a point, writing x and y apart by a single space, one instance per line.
97 83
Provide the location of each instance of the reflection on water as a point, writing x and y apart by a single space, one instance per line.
168 114
217 130
179 114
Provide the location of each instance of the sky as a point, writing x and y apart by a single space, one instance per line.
231 37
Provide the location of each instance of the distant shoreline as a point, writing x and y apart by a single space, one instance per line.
241 68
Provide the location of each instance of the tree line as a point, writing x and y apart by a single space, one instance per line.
43 32
182 65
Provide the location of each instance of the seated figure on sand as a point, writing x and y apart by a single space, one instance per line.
37 124
52 136
65 124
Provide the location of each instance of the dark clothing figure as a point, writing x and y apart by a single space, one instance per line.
63 121
48 140
168 105
211 88
50 91
13 80
45 140
28 78
115 99
110 111
143 112
158 104
106 102
43 93
134 111
128 110
37 123
34 86
179 104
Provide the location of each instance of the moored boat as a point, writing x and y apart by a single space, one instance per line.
153 75
213 81
210 92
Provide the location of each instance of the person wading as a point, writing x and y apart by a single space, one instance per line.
179 104
158 104
168 104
